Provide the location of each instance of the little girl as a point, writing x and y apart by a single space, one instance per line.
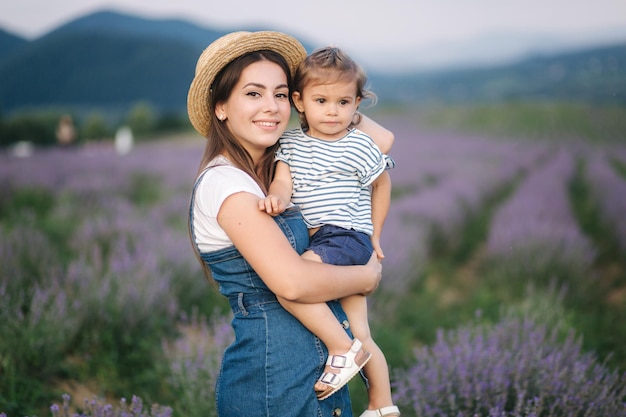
326 167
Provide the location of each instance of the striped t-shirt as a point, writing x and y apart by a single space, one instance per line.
331 179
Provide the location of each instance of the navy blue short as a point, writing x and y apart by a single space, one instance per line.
339 246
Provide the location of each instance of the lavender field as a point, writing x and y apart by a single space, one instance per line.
504 289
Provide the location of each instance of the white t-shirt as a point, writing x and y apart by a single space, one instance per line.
218 183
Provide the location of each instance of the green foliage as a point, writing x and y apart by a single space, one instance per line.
141 119
37 128
620 167
172 122
195 295
463 245
599 320
540 120
14 201
95 127
194 364
66 311
588 215
144 189
33 341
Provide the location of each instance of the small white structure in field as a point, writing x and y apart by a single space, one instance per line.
124 140
22 149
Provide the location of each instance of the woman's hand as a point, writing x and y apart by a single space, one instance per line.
376 269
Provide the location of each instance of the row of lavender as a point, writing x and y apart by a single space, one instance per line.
538 218
516 367
463 172
131 256
443 180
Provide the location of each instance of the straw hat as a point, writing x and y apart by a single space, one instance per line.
223 51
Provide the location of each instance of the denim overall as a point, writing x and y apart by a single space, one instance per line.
274 362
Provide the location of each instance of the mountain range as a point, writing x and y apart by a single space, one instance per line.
109 61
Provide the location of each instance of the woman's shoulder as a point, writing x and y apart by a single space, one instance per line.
221 166
221 175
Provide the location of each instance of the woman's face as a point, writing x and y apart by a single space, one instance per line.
258 109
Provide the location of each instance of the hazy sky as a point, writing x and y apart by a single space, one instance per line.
359 26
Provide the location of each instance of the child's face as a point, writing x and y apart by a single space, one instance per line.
329 108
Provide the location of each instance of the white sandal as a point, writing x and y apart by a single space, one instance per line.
381 412
348 367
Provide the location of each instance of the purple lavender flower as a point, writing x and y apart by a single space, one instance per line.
195 361
444 179
537 221
96 408
514 368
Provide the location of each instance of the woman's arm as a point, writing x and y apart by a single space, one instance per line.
265 247
382 137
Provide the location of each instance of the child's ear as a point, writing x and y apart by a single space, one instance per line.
297 101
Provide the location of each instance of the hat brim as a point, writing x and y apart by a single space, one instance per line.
221 53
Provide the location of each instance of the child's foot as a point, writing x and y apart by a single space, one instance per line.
319 385
340 369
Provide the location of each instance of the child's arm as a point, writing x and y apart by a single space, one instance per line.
382 137
279 194
381 199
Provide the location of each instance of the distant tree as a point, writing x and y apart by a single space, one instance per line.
141 119
95 127
172 122
38 129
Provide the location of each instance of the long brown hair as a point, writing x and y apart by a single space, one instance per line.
221 141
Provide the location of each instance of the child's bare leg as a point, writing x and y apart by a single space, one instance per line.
376 369
321 321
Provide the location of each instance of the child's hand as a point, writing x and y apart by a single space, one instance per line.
272 205
377 248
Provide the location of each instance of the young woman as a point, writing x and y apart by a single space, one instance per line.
239 100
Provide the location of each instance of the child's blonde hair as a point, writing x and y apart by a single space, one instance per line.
329 65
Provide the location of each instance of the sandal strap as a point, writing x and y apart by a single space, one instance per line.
329 378
338 361
347 365
343 361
